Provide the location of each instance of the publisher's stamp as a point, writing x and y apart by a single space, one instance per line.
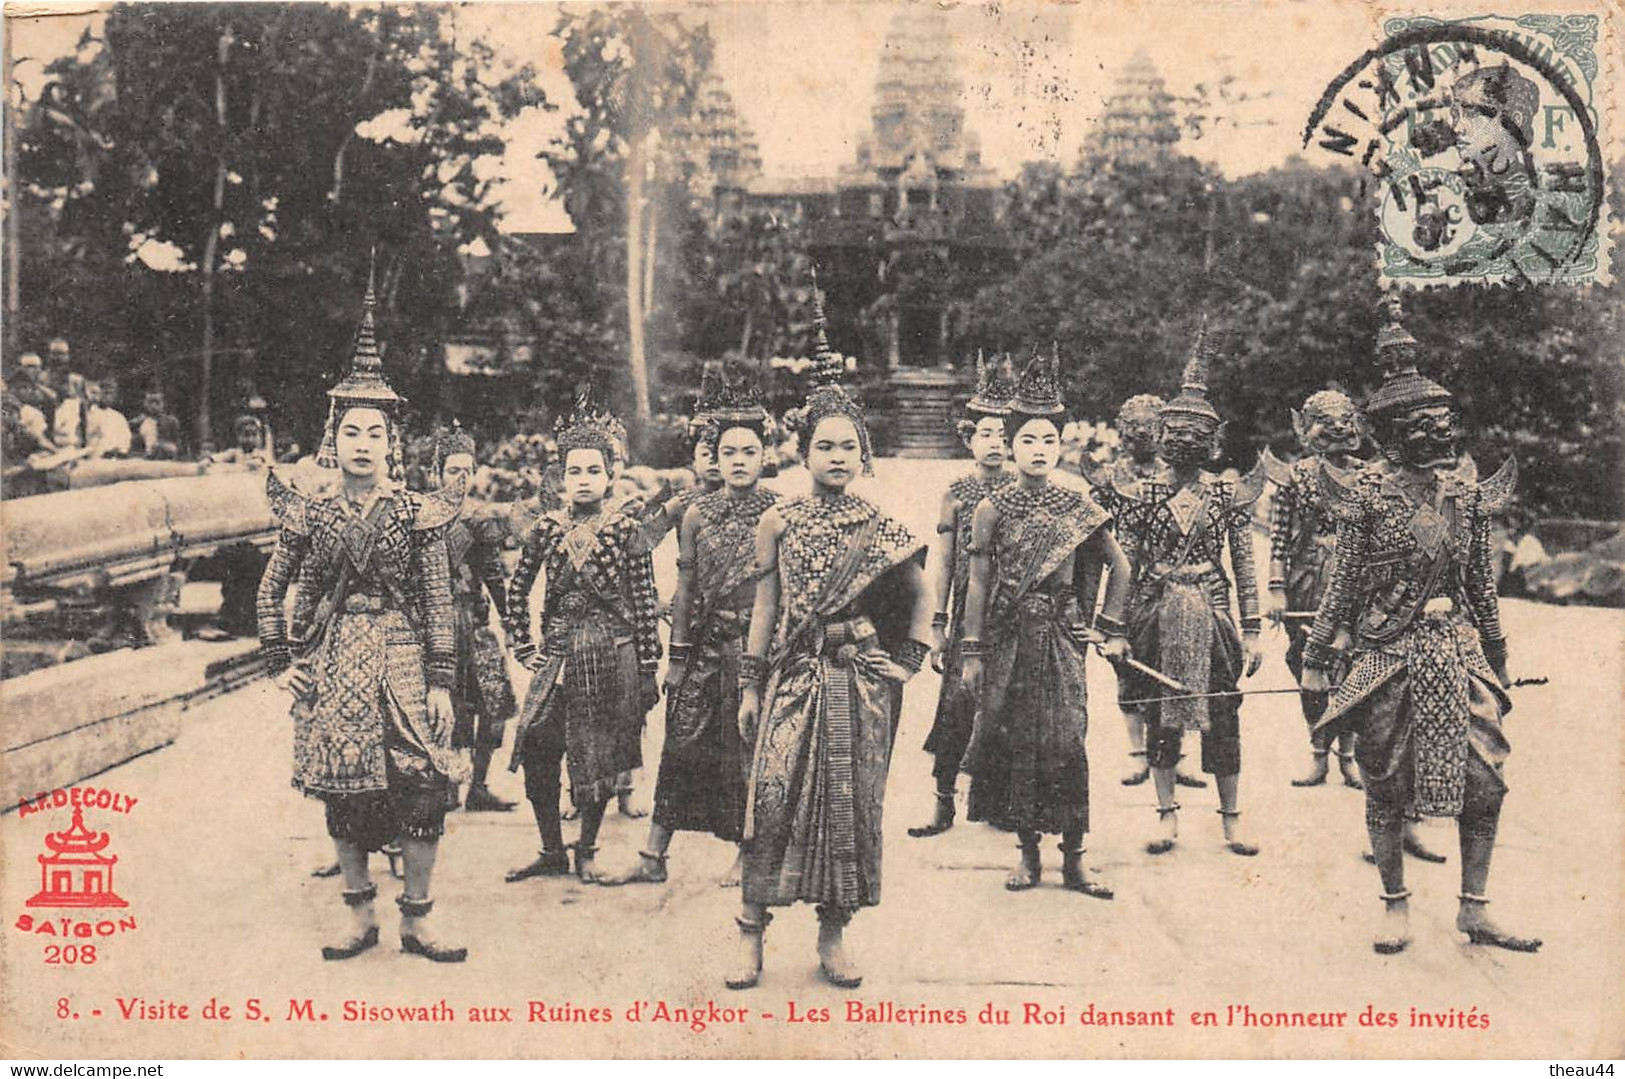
1483 134
78 906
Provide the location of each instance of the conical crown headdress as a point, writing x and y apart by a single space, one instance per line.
1192 397
363 387
995 385
828 397
1403 385
1038 391
725 401
365 383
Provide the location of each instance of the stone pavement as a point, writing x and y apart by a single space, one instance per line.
215 861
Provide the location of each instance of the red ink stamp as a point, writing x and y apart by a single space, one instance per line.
76 874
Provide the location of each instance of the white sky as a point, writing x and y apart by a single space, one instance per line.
802 74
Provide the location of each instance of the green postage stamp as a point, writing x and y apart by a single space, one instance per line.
1483 135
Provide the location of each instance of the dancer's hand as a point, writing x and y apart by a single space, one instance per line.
939 645
439 706
1251 653
648 691
676 671
971 674
1115 649
296 680
1500 668
1315 680
750 709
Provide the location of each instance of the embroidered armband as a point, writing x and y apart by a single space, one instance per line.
911 655
1111 627
752 671
679 651
1318 656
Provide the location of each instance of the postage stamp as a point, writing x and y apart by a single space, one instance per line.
1484 134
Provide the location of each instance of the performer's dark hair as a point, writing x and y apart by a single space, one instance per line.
1015 421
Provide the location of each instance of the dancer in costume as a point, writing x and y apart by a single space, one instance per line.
484 697
1302 538
982 430
1180 619
594 666
704 763
1036 555
1412 597
841 597
1139 429
667 514
371 656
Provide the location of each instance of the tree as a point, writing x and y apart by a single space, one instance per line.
636 76
248 157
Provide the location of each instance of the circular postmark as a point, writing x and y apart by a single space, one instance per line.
1483 137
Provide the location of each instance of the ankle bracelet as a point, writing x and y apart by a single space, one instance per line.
1395 897
414 908
1228 812
661 858
1469 897
363 895
1163 811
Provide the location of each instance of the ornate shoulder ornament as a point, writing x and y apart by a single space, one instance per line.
287 504
1250 486
436 509
1496 492
1276 470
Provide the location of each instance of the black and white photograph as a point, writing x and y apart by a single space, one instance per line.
749 530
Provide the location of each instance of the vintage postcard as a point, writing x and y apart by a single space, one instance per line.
822 530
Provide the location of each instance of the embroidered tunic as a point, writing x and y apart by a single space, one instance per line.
704 763
830 708
390 637
599 636
1180 618
473 546
950 730
1027 759
1412 584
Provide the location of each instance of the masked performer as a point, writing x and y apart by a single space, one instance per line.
838 581
371 656
594 667
1302 538
1036 554
484 696
1412 594
982 429
1139 428
704 763
1180 619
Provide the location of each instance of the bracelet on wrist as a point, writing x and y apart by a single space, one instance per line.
1111 627
971 648
752 671
939 620
679 652
911 654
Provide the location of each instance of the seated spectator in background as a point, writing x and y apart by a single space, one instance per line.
69 420
157 430
107 432
1523 552
250 448
30 390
